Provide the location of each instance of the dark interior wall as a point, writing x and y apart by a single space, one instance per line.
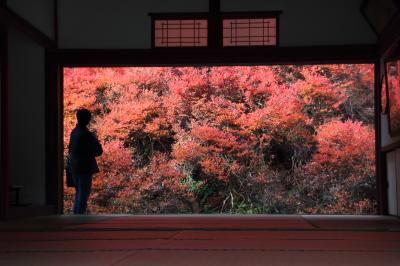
126 24
311 22
114 24
39 13
26 62
25 110
3 122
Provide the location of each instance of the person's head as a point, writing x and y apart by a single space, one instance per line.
83 116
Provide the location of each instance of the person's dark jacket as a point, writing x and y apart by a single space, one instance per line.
83 148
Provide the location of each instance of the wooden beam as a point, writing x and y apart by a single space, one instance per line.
390 35
380 167
225 56
214 25
54 134
362 7
214 6
11 19
391 147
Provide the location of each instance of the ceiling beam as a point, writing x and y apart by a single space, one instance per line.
224 56
390 35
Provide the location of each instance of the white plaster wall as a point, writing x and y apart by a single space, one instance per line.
385 136
397 187
39 13
27 117
391 177
126 24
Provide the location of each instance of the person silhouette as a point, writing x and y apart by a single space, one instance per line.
83 148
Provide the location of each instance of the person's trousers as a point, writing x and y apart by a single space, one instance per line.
83 186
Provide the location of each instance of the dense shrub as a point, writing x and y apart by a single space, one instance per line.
246 139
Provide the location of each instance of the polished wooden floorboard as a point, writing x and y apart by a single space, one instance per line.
201 240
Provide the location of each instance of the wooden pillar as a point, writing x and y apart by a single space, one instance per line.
54 134
4 172
215 26
381 179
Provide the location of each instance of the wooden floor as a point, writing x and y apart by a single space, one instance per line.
201 240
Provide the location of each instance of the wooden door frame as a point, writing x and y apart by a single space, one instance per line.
59 58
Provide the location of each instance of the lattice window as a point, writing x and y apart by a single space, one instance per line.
180 33
250 32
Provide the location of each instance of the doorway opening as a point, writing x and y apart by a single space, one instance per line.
285 139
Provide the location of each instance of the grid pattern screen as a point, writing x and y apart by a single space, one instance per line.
249 32
180 33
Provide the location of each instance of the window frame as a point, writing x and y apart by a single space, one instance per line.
177 16
215 27
253 15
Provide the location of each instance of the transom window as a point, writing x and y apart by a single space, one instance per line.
180 33
249 32
215 29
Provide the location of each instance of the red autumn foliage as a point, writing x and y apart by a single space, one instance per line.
243 139
393 76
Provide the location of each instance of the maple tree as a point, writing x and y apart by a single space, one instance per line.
234 139
393 79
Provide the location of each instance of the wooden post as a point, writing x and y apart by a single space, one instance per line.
4 173
215 26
